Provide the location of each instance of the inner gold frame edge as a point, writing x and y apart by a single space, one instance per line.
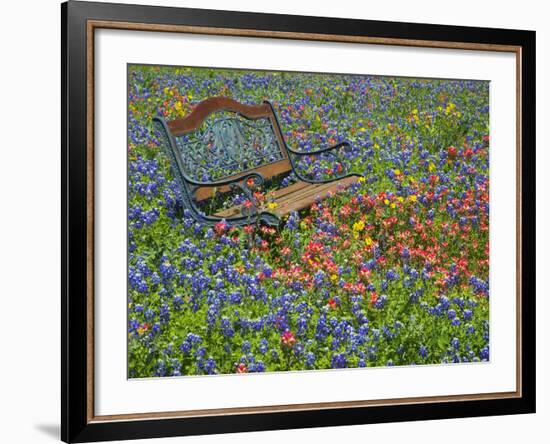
97 24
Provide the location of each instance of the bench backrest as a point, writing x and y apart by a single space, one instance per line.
224 139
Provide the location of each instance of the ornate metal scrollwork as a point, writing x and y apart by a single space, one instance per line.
226 145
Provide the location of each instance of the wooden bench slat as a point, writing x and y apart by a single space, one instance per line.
300 196
301 200
311 189
280 193
278 196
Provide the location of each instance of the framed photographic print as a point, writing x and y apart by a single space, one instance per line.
275 221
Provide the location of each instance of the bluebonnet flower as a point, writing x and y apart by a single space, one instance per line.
164 313
392 275
455 343
310 359
292 221
338 360
210 366
319 278
177 302
186 346
160 368
227 328
484 353
263 347
155 278
156 329
200 352
322 329
480 286
381 302
301 324
245 347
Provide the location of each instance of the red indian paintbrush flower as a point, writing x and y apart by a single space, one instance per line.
220 227
288 339
373 298
241 368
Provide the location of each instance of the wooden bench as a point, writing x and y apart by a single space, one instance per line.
225 146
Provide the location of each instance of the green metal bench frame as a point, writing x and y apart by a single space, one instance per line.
228 136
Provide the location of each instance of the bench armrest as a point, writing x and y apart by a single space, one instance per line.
314 153
319 151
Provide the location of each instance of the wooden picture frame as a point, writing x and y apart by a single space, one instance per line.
79 22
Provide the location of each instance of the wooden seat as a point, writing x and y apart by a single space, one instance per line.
239 150
296 197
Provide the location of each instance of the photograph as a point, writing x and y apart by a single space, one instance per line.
304 221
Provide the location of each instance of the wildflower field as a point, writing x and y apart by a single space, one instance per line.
393 270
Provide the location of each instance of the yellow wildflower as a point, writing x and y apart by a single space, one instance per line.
272 205
359 226
368 241
397 172
412 197
361 180
386 201
450 107
431 167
